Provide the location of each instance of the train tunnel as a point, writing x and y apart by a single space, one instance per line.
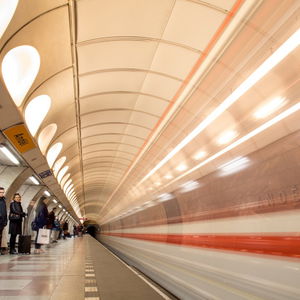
169 130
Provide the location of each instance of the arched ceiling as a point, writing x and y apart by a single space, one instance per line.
129 79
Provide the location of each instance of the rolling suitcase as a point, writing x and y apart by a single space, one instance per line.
24 241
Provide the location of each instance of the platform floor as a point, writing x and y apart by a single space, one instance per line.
74 269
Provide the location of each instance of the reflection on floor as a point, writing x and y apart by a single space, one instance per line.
63 271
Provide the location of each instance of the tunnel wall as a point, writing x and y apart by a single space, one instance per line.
235 235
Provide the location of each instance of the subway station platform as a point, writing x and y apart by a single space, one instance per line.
76 269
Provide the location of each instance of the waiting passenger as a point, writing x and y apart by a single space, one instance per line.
16 215
3 214
41 219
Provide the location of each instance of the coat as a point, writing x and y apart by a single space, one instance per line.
3 213
41 217
15 226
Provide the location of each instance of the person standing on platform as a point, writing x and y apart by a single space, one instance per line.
16 215
50 224
3 214
41 220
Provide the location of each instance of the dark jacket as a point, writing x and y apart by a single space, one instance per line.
51 218
41 217
3 213
15 226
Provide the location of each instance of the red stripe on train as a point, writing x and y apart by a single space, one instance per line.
284 245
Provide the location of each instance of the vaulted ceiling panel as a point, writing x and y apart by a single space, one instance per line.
110 100
100 18
116 54
111 81
193 24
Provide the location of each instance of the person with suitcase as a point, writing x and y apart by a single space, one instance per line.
16 215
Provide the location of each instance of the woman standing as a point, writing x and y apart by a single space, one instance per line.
41 220
16 215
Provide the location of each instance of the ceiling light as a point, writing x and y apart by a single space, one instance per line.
234 165
34 180
9 155
284 50
199 155
59 206
165 197
168 176
157 183
46 193
189 186
181 167
54 200
269 108
245 138
226 137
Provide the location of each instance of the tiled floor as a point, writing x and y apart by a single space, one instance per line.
72 269
59 273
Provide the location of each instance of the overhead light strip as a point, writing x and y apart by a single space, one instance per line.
245 138
9 155
285 49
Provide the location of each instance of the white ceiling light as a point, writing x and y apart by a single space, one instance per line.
245 138
19 69
34 180
61 173
9 155
226 137
199 155
189 186
181 168
168 176
46 136
58 165
165 197
46 193
59 206
284 50
7 10
234 165
269 108
54 200
53 153
36 112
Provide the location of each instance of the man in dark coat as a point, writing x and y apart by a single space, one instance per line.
16 215
3 213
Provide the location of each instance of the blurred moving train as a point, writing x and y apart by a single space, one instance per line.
232 235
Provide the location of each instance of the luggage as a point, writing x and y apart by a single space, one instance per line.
24 244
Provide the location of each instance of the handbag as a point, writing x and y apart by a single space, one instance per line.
14 217
34 226
43 236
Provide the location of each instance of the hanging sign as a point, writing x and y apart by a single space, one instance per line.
20 137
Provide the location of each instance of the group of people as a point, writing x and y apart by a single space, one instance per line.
43 219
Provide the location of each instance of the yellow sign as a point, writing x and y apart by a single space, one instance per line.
20 137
